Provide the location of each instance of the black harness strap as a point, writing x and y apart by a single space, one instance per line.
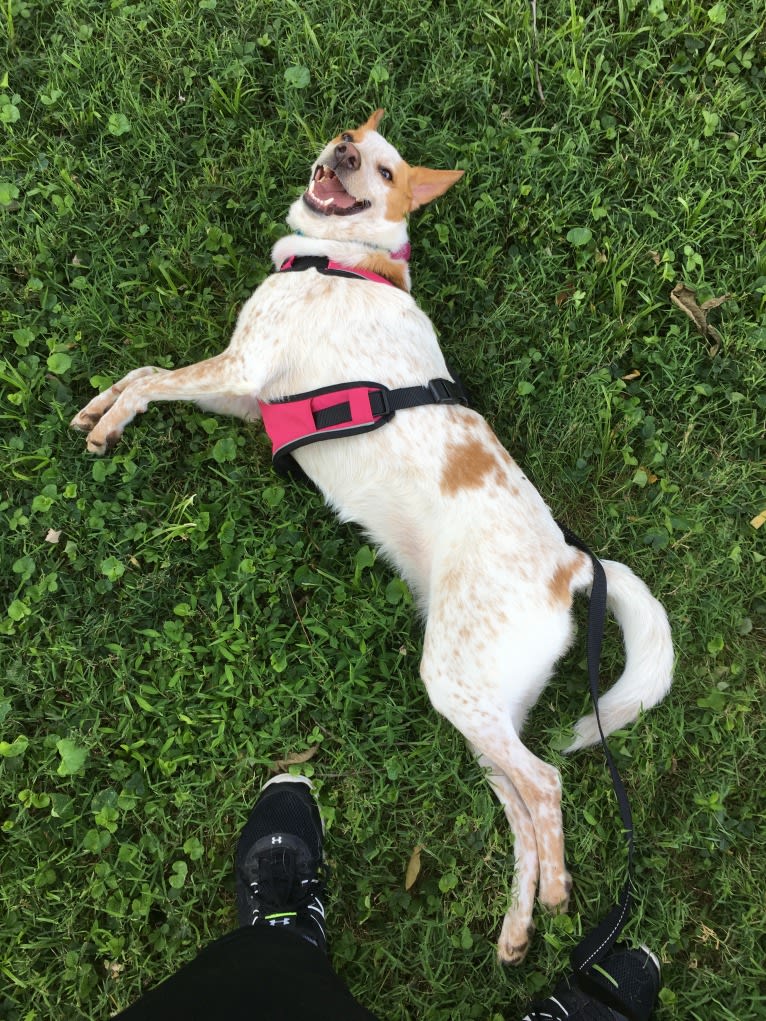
321 264
386 402
330 268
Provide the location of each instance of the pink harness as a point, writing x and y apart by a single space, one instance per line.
344 409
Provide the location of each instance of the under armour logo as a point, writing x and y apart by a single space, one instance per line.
276 840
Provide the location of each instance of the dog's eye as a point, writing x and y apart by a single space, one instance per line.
345 137
386 174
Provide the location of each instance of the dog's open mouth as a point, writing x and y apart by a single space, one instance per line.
327 195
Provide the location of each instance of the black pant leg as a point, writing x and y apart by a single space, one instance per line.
251 974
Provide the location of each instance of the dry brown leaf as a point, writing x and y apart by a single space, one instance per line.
297 758
53 536
714 302
759 520
413 868
634 374
685 298
656 258
651 478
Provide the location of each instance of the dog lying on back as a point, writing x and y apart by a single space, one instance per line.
433 488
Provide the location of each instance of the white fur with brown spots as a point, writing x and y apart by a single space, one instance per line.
434 489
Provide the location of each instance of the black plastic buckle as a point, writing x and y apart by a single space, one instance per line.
443 392
380 405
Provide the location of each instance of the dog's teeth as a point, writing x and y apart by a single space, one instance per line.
316 198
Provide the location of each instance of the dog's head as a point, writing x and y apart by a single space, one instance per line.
362 190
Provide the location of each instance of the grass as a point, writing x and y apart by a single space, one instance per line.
176 620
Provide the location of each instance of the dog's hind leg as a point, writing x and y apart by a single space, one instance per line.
524 850
530 791
472 692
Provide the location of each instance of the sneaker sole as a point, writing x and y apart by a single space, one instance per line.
288 778
654 959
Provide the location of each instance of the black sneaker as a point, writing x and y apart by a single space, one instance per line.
622 987
279 861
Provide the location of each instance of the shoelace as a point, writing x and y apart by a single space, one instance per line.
279 887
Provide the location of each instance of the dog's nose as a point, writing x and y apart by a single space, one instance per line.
347 156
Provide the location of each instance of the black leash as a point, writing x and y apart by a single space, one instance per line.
597 943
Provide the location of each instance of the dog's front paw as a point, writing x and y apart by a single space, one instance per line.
99 438
107 431
99 446
555 891
104 418
83 422
87 420
88 417
96 443
514 939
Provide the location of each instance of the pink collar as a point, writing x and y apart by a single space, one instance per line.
327 266
403 253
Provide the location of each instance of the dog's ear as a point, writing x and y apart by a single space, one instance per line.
427 185
372 122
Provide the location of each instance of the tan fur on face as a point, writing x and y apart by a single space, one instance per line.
357 135
372 122
399 199
413 187
410 187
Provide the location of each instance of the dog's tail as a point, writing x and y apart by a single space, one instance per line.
648 656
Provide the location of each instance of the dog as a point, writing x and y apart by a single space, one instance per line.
433 487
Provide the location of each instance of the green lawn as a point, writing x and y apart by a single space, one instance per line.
175 619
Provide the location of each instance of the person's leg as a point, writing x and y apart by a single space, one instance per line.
275 966
622 987
250 974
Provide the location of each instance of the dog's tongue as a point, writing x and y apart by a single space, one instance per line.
328 186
